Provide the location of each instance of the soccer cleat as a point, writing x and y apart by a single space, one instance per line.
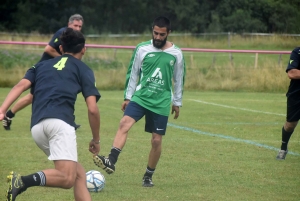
147 182
16 186
6 122
77 126
281 154
104 163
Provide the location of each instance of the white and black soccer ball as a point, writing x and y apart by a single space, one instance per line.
95 181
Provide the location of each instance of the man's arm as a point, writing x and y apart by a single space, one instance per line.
294 74
178 78
13 95
132 75
292 69
94 120
51 51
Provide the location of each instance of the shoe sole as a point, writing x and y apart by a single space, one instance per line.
100 164
148 185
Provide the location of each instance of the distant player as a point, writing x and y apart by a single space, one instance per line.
149 92
293 102
55 84
51 51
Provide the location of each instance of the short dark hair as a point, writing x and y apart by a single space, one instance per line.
72 41
162 21
77 17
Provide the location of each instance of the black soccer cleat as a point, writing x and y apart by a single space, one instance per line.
6 122
77 126
104 163
15 186
147 182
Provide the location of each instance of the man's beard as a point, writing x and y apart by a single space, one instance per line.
159 43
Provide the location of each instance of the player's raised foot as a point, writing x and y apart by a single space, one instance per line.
104 163
147 182
15 186
281 154
6 122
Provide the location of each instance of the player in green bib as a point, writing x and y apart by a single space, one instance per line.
154 85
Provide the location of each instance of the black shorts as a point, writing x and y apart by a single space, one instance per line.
293 109
155 123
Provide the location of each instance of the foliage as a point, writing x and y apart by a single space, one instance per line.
133 16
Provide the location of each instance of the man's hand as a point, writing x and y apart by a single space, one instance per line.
176 110
94 147
124 105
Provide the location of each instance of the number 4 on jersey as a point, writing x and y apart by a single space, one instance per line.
61 63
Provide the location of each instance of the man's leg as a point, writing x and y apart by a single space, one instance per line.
63 176
286 133
155 151
20 104
80 189
108 163
154 155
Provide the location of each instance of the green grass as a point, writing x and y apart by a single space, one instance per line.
222 148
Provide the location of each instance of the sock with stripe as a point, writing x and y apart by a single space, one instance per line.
149 172
114 154
36 179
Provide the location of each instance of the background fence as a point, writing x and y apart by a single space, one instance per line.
116 47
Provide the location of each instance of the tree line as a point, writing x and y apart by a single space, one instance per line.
136 16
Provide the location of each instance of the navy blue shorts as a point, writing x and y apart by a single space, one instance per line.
155 123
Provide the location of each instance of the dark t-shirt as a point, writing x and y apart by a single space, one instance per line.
55 43
55 85
294 63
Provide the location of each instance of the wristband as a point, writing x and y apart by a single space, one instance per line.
96 142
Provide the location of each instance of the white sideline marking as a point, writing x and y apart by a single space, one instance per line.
237 108
229 138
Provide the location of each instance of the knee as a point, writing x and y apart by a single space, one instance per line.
156 142
69 182
290 126
125 124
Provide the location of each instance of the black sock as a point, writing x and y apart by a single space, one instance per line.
149 172
285 139
36 179
114 154
9 114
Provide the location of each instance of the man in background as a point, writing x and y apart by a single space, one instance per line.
51 50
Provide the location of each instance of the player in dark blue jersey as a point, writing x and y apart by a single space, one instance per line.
293 102
51 50
55 84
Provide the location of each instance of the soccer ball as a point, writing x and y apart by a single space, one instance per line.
95 181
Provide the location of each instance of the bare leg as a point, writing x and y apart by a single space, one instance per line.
125 124
22 103
63 176
155 151
80 189
290 126
66 175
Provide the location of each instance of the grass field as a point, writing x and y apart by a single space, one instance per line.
222 148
